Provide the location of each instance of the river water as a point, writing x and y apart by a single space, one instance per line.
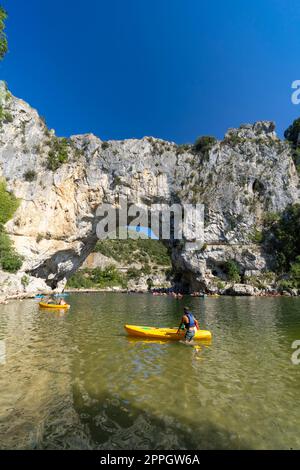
75 380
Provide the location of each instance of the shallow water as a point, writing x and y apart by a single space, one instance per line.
75 380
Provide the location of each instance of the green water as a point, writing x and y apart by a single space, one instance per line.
75 380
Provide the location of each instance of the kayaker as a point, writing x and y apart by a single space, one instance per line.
49 300
189 323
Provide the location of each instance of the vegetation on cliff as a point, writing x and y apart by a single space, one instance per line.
232 271
97 278
9 259
58 154
144 251
292 134
204 144
282 239
3 38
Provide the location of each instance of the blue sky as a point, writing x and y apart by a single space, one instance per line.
173 69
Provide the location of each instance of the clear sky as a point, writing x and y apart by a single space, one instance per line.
173 69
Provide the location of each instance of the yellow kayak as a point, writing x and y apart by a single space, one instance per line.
163 333
45 305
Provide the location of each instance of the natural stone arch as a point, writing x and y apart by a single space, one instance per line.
53 229
57 268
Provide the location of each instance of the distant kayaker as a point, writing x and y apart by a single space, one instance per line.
190 324
49 300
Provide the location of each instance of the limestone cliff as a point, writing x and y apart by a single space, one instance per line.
241 177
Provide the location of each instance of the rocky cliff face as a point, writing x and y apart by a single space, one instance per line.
248 173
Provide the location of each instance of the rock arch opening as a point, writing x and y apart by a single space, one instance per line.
141 256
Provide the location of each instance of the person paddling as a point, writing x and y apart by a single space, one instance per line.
189 322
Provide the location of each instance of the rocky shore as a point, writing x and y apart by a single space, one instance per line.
239 290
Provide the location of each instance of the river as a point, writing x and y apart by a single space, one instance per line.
75 380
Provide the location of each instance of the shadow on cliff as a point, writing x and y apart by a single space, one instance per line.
50 270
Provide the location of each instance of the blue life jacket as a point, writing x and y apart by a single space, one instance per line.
191 319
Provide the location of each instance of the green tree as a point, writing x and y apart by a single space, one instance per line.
232 271
204 144
292 134
9 259
3 39
295 272
58 154
283 238
8 204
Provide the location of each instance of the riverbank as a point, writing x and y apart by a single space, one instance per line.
236 290
254 292
229 290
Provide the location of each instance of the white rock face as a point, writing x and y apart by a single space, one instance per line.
241 290
97 260
251 171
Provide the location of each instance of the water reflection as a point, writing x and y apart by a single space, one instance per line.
78 381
